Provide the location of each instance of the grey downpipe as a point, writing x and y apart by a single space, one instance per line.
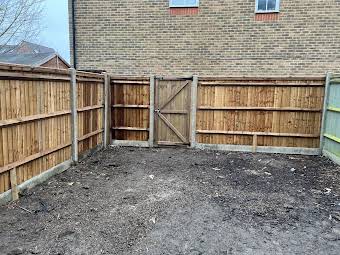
74 35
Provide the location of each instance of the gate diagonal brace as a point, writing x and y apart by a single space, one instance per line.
180 136
173 95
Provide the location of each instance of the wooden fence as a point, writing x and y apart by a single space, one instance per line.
48 116
38 110
330 142
130 101
274 114
260 112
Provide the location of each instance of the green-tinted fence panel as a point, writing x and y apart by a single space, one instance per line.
331 145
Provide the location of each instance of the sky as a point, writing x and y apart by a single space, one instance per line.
55 32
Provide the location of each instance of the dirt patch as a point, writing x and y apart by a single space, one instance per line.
180 201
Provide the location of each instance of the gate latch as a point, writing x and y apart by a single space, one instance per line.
157 110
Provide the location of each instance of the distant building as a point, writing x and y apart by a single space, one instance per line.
32 54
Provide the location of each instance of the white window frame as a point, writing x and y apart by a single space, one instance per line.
277 7
184 5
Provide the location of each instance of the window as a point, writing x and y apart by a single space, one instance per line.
263 6
184 3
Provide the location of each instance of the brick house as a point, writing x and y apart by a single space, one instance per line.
206 37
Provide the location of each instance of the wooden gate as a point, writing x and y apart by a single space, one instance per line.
172 111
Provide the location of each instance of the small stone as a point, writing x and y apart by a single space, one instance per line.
336 216
16 251
112 165
153 220
216 169
151 177
267 173
66 233
316 191
328 191
334 235
336 231
35 250
288 206
292 169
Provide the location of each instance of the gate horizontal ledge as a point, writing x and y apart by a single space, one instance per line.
130 128
261 149
130 82
130 106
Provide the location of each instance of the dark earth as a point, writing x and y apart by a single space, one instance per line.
180 201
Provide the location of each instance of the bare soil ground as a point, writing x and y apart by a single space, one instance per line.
180 201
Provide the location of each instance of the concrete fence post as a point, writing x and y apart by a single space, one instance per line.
324 112
74 114
193 110
106 135
152 111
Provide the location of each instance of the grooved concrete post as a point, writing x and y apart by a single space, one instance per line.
74 114
106 110
152 111
193 111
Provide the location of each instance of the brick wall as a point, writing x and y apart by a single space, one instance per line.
223 38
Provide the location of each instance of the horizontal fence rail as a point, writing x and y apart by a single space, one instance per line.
36 118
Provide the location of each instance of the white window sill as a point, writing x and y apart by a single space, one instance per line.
183 6
261 12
